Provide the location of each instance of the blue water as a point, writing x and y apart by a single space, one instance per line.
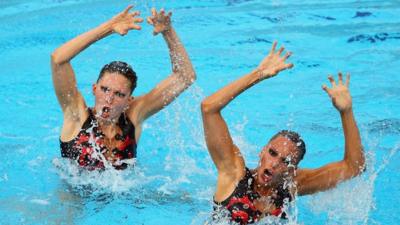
174 179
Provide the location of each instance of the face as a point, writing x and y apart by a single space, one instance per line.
277 161
112 94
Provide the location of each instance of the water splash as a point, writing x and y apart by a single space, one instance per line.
352 201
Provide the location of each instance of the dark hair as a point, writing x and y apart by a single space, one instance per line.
122 68
296 139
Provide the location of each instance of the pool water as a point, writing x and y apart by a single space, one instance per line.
174 179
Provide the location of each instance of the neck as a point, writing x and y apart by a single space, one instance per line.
106 123
264 189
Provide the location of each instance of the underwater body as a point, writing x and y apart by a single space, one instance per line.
174 178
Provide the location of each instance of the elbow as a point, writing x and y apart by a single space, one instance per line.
362 167
360 163
356 168
55 58
191 78
206 106
185 74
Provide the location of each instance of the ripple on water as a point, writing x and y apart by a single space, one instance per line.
384 126
362 14
373 38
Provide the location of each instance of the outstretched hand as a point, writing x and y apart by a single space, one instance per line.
339 93
160 21
125 21
274 62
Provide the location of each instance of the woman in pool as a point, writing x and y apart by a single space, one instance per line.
248 195
107 134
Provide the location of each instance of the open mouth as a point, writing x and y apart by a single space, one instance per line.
267 175
105 112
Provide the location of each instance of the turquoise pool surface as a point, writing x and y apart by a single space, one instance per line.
174 179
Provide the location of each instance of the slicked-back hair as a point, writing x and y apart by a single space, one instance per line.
121 68
296 139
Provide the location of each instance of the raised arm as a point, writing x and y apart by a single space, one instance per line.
63 75
313 180
182 75
225 154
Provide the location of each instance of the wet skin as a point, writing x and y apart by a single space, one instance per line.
277 160
112 96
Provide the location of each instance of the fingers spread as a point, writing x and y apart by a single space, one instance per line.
128 8
330 78
340 78
287 55
288 66
281 50
135 26
153 12
273 47
347 79
136 13
138 20
326 89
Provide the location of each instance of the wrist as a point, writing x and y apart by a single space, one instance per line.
261 74
346 112
167 31
105 29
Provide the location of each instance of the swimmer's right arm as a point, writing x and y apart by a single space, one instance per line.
219 142
62 72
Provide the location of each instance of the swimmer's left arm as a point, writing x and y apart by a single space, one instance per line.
310 181
182 76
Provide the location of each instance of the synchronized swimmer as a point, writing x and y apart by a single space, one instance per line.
248 195
106 135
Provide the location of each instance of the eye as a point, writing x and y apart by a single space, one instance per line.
272 152
119 94
104 89
287 160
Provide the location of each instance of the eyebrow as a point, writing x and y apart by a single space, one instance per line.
102 86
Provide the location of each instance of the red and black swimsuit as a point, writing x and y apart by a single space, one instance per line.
240 204
87 147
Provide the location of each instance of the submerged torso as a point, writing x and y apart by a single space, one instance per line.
245 205
92 149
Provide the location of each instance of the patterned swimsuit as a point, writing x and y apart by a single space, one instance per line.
240 204
87 148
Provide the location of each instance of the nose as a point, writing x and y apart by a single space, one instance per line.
109 98
271 162
275 163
